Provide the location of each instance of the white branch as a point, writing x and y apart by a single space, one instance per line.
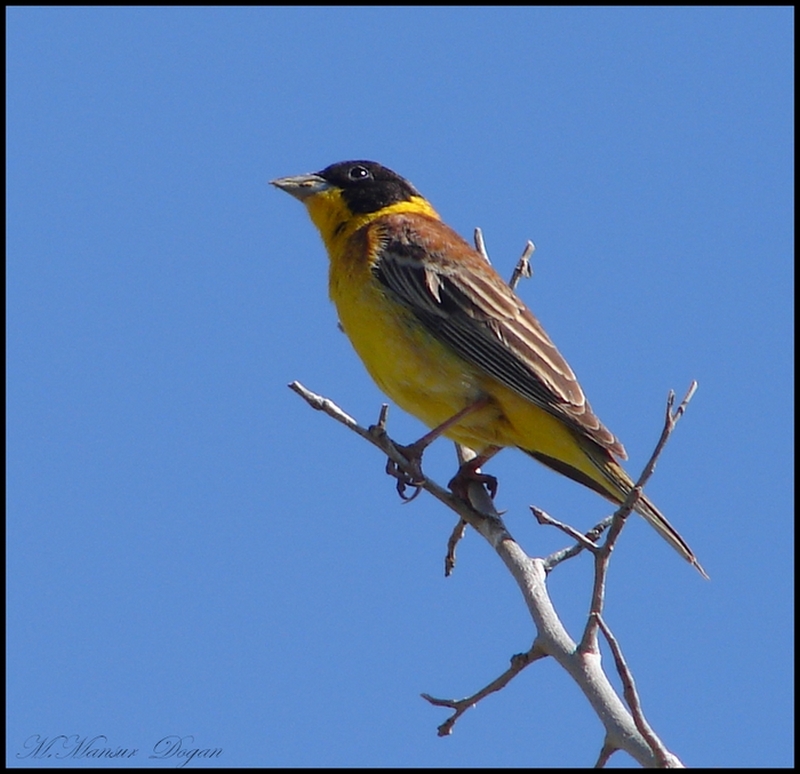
552 638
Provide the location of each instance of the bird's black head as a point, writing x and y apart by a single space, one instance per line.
367 186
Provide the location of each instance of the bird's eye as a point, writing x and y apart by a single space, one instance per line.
358 173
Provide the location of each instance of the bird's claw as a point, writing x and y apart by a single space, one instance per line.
467 474
406 479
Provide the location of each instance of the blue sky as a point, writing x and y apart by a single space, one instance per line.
193 552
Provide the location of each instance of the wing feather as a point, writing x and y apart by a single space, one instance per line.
462 301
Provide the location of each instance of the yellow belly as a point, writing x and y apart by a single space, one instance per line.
427 379
430 381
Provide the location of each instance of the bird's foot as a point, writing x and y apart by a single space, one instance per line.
409 475
467 474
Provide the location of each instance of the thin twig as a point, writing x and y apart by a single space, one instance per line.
518 663
588 642
602 559
670 420
593 535
452 542
632 696
480 245
326 405
463 454
545 519
523 267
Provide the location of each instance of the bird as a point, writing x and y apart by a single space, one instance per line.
446 338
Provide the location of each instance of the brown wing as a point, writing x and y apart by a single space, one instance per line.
464 303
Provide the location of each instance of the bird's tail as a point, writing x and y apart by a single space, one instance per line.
615 484
646 509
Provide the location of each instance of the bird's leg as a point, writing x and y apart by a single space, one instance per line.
413 453
468 473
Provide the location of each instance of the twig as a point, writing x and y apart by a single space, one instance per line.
463 454
601 563
480 245
518 663
665 758
593 535
670 420
603 556
523 267
545 519
328 407
452 542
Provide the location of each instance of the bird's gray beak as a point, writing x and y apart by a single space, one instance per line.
301 186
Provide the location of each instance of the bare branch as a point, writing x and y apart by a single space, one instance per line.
530 574
593 535
626 728
518 663
670 420
665 758
326 405
480 245
603 556
546 519
455 537
523 267
463 454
